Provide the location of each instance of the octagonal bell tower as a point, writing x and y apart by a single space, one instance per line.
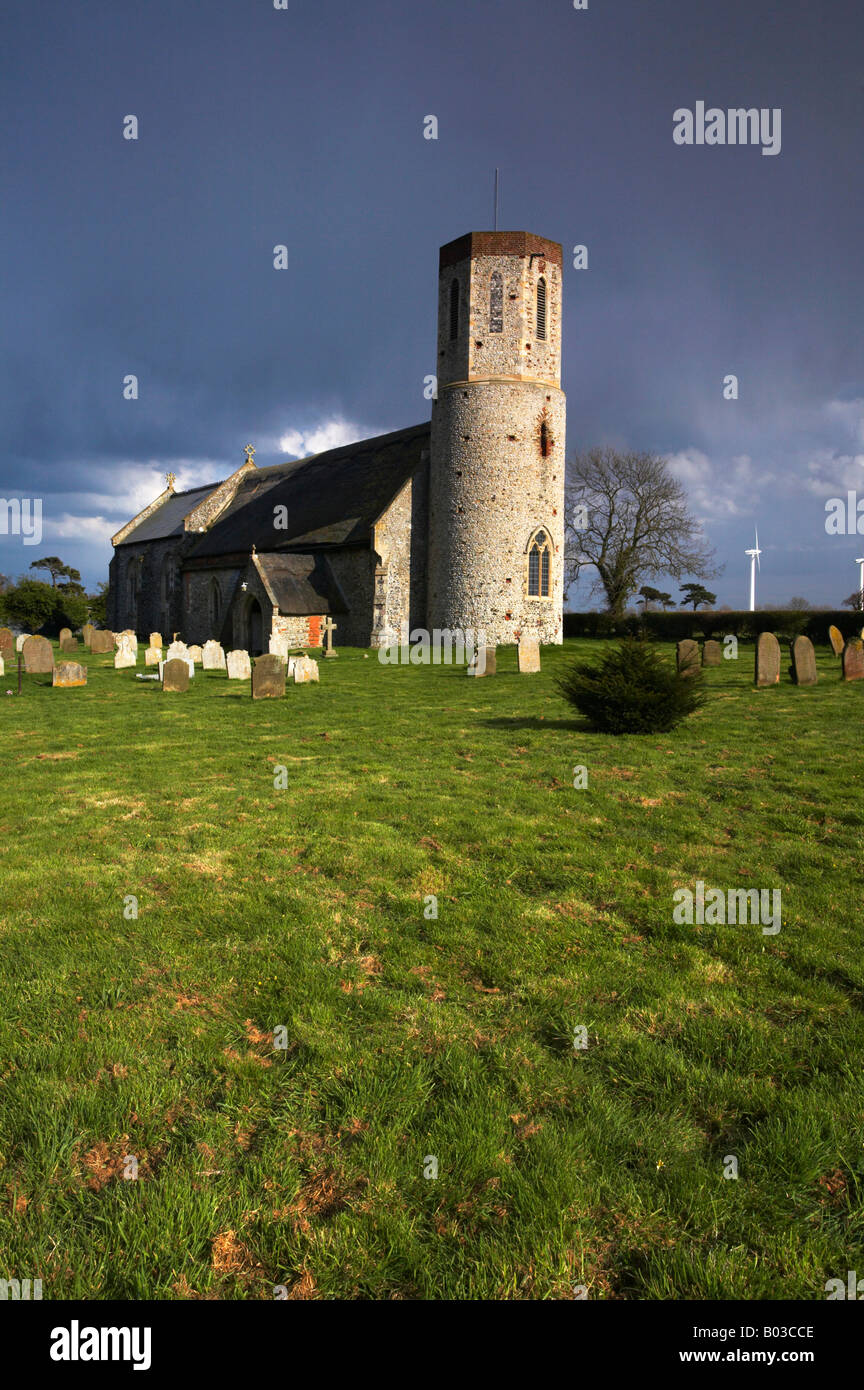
496 501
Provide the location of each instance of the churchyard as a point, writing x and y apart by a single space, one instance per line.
375 989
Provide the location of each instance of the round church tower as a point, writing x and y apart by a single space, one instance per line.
496 494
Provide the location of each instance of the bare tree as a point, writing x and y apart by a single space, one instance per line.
627 517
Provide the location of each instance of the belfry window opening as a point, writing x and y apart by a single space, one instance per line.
541 309
454 310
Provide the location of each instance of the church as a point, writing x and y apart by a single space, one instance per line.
450 525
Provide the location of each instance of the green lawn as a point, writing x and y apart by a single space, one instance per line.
410 1037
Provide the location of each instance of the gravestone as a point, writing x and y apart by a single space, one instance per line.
835 637
178 649
767 659
2 666
175 674
239 666
38 656
87 634
483 662
853 660
268 677
102 642
329 628
305 670
7 641
67 673
195 654
712 653
803 668
123 657
69 644
213 656
64 632
20 640
278 645
187 662
687 657
529 656
155 639
152 656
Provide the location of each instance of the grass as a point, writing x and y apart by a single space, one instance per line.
411 1037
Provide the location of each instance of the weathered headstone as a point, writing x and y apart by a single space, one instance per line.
853 660
123 658
187 662
175 674
687 657
268 677
20 640
529 656
239 666
7 641
68 673
69 644
329 628
87 634
64 632
2 665
155 639
712 653
278 645
213 656
178 649
195 655
152 656
305 670
483 662
835 637
38 655
803 668
101 642
767 659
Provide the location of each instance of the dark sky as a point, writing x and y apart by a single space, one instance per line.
304 126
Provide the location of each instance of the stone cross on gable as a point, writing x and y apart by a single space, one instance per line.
329 628
250 452
170 479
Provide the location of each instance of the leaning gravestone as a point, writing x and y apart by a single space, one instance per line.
803 668
239 666
87 634
305 670
69 644
102 642
835 637
20 640
212 656
7 641
64 633
155 639
68 673
712 653
175 674
152 656
767 659
853 660
483 662
38 656
268 677
529 656
195 655
687 657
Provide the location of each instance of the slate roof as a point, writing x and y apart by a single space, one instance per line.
168 520
302 584
332 499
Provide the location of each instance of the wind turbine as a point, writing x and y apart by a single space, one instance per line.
754 561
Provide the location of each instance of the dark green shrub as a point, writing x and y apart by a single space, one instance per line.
632 689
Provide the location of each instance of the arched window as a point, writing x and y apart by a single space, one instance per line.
539 565
454 310
541 308
496 302
215 603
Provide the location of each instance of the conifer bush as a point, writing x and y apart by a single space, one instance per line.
632 689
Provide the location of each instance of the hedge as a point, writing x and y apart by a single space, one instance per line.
785 623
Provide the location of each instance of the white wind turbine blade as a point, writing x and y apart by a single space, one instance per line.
758 551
